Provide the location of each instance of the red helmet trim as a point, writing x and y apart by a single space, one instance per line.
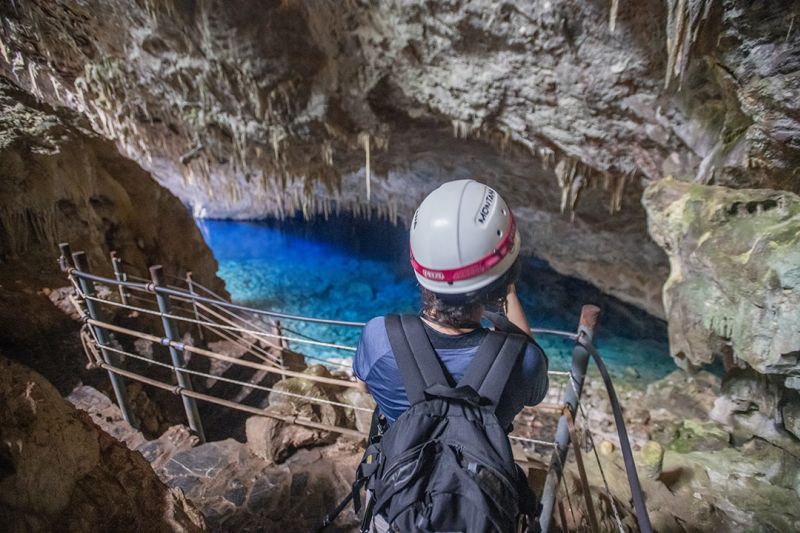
475 268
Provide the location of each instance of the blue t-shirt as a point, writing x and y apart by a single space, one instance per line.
374 364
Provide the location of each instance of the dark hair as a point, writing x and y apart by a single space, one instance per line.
457 311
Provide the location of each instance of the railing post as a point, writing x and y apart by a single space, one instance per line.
580 360
95 311
116 263
190 284
171 332
65 261
282 344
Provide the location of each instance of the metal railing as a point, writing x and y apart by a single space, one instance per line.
268 342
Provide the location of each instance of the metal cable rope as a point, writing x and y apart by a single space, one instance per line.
200 305
148 287
213 324
227 380
602 472
221 357
563 485
637 495
251 332
599 463
232 405
533 441
261 387
283 328
252 348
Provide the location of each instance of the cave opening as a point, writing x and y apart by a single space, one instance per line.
351 268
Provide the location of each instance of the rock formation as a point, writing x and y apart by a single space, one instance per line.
60 181
61 472
734 285
574 110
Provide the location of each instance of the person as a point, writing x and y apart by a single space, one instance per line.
465 255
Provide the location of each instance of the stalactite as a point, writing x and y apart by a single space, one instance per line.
548 157
618 190
327 153
277 135
612 16
685 20
570 178
4 50
364 138
461 129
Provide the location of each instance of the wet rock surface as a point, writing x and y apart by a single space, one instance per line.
238 486
240 491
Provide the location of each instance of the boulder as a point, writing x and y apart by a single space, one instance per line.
652 456
275 440
734 280
60 471
749 404
791 418
361 419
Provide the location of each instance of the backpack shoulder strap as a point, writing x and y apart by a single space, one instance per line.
491 367
418 363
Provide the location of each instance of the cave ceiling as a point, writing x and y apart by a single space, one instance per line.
247 108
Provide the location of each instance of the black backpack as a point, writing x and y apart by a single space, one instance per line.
446 465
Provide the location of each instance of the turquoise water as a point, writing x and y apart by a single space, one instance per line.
352 270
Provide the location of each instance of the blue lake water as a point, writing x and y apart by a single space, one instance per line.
352 270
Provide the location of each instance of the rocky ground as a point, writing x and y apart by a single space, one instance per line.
578 111
708 458
282 478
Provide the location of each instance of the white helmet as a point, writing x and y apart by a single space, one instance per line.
463 238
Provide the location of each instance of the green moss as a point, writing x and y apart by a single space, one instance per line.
694 435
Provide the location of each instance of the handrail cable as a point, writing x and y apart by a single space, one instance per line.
611 500
637 494
213 355
213 324
250 347
98 362
231 380
149 287
252 332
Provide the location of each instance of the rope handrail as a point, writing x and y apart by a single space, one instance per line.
175 292
214 355
231 380
214 324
